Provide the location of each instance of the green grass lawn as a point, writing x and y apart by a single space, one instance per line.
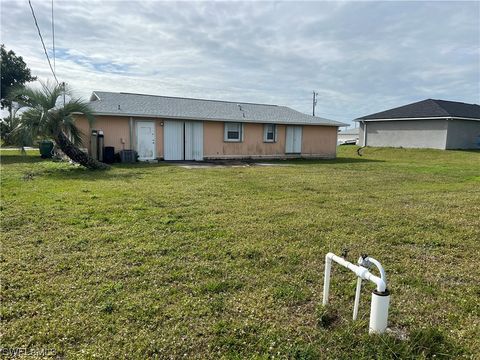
148 261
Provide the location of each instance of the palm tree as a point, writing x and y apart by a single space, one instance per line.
43 117
11 132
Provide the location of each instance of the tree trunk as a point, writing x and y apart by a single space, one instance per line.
76 154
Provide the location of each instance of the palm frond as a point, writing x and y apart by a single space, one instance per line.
26 96
33 118
80 107
53 93
21 134
71 128
32 122
77 135
45 97
44 117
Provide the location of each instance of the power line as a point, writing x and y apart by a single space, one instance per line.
53 38
41 39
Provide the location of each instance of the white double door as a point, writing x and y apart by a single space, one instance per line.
183 140
293 143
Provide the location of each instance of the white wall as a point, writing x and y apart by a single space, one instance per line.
463 134
406 133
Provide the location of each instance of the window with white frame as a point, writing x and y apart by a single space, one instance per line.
269 133
233 132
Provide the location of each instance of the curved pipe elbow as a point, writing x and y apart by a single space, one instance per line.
381 286
360 271
379 266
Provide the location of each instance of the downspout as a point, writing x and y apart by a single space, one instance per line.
336 141
447 122
364 133
130 128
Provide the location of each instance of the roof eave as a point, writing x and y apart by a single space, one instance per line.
420 118
333 123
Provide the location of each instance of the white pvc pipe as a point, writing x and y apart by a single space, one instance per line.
379 313
326 279
380 297
379 266
360 271
357 298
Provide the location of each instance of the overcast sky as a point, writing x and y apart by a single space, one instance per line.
361 57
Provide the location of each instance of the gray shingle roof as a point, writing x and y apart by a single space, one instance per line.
127 104
429 108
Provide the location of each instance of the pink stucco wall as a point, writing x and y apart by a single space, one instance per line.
252 144
116 130
317 141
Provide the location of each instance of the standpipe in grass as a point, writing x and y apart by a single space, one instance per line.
380 296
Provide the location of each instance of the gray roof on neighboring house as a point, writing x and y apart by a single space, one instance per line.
352 131
127 104
429 108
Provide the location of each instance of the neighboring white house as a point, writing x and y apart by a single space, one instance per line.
348 136
430 123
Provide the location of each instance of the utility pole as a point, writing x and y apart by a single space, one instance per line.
315 95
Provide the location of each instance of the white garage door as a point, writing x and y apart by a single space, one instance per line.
194 140
183 140
173 134
293 143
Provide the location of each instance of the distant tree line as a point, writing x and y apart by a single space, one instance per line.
14 74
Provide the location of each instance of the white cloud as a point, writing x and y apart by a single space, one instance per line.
361 57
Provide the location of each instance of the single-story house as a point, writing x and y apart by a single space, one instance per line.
436 124
174 128
348 136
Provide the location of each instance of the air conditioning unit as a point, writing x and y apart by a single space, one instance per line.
128 156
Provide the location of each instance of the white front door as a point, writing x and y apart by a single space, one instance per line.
194 140
293 143
173 143
146 140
